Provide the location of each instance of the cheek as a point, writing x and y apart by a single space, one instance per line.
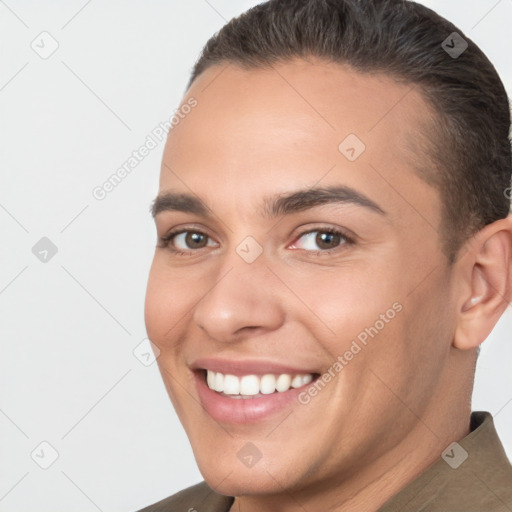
165 303
345 301
431 323
154 307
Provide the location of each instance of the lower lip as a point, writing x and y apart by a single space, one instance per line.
242 411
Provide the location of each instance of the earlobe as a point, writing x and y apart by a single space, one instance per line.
486 273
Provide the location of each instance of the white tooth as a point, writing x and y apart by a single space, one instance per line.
306 379
210 379
297 381
249 385
268 384
231 385
283 382
219 382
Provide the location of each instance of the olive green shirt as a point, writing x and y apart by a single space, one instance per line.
473 475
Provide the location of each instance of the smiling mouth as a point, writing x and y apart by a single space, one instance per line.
255 386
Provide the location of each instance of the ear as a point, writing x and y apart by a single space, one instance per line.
485 276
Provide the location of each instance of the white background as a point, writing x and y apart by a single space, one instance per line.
69 326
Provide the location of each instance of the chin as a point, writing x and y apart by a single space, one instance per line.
240 483
225 470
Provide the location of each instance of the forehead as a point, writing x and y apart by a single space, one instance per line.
255 131
312 95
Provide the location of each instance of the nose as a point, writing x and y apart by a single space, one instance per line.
242 300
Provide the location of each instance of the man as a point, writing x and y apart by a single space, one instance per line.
334 245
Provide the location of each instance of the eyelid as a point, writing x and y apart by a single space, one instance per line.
165 241
174 236
350 239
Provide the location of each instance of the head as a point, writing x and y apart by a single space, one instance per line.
335 206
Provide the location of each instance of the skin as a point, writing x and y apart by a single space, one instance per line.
405 397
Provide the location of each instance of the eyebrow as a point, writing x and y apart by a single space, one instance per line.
275 206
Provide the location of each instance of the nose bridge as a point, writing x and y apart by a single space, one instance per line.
241 296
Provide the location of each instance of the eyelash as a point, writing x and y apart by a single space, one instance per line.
165 241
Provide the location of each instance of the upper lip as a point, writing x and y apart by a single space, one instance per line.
241 367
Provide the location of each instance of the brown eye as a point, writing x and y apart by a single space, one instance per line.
195 240
321 240
186 241
326 240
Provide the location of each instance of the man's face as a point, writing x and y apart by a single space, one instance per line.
360 281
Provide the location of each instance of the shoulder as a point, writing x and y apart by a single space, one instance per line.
199 497
473 475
